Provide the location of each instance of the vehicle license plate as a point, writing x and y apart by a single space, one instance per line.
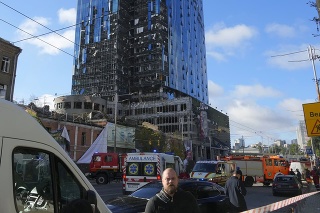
133 186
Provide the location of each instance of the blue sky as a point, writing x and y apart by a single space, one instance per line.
262 94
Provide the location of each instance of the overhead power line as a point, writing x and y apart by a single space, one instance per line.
43 34
37 38
37 22
289 53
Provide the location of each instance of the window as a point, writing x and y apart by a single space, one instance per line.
108 158
35 189
83 139
3 90
77 105
268 162
67 105
141 169
5 64
87 105
207 191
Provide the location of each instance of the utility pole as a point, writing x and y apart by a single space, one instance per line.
312 57
115 122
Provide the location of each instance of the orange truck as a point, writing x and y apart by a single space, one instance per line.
105 167
260 169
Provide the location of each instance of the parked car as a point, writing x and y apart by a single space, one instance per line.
286 184
210 197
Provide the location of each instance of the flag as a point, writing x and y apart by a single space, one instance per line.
65 135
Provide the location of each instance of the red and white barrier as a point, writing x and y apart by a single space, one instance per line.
280 204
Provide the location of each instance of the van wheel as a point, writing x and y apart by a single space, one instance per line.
102 179
248 181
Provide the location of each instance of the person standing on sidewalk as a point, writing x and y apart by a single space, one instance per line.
236 191
299 176
315 176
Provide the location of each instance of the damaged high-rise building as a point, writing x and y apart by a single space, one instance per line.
147 59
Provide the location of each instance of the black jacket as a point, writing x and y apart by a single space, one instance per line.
236 191
182 201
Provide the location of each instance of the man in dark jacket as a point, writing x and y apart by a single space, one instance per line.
171 199
236 191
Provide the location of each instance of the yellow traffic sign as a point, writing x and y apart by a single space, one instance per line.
312 118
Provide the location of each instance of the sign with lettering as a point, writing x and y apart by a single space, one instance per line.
142 158
312 118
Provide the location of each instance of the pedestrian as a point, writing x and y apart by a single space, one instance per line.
240 172
236 191
308 177
299 176
315 177
291 172
172 199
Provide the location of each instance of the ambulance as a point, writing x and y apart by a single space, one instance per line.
214 171
36 173
142 168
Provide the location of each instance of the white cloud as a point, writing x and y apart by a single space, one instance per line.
51 43
255 121
229 37
43 100
67 16
31 28
280 30
222 41
255 91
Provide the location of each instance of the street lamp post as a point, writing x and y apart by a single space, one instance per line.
115 122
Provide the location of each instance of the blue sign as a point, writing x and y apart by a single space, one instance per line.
309 151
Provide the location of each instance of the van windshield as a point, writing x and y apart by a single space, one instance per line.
204 167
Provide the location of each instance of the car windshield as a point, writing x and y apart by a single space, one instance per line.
148 190
284 179
204 167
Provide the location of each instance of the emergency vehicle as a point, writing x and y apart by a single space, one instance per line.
214 171
105 167
142 168
261 169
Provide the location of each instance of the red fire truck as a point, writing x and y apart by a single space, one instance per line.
105 167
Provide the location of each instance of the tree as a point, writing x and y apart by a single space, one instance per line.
148 140
174 144
294 149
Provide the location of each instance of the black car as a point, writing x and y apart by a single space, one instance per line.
210 197
286 184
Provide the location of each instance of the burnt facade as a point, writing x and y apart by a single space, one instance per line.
153 48
147 60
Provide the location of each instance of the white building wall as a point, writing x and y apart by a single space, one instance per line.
302 136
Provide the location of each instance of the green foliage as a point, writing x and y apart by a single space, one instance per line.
148 140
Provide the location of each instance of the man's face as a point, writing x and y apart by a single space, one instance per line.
170 182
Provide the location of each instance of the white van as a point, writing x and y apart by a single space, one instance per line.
36 174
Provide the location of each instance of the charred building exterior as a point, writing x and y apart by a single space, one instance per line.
154 48
147 60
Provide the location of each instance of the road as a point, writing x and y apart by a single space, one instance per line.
257 195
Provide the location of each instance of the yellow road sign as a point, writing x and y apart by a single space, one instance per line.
312 118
